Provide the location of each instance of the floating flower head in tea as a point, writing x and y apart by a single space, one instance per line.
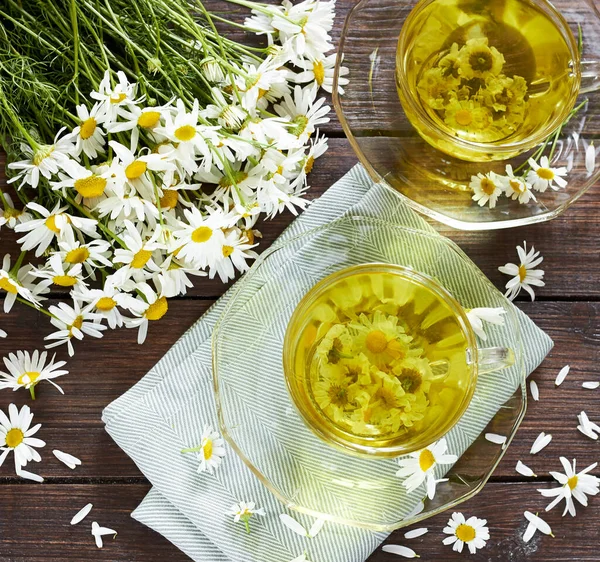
465 88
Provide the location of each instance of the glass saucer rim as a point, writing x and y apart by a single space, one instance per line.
384 527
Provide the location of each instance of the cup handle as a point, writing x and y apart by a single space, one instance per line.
494 359
590 76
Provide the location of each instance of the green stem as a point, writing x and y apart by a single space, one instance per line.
192 449
32 391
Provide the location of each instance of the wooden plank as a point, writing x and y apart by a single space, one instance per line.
35 527
104 369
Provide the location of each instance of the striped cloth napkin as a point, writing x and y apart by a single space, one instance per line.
167 410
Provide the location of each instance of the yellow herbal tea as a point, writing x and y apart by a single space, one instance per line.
380 359
493 72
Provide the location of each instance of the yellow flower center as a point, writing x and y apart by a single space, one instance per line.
148 119
157 309
185 133
31 376
41 154
136 169
376 341
105 304
92 186
8 285
545 173
202 234
517 186
310 162
50 223
14 438
169 199
140 259
227 251
117 98
463 117
207 449
426 460
465 533
572 482
77 323
522 273
87 128
319 72
488 186
11 213
77 255
64 280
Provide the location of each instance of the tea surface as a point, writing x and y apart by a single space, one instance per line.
381 357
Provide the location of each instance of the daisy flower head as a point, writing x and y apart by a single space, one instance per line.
574 485
107 301
14 286
304 112
27 371
542 176
210 451
88 134
55 273
419 466
88 184
516 187
16 435
227 114
524 275
318 147
173 279
477 316
91 256
473 532
73 322
137 256
136 119
10 216
486 188
236 250
153 306
320 72
115 99
243 511
45 160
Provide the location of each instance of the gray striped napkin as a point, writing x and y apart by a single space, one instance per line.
166 412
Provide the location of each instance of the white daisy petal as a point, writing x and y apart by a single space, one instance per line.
495 438
523 469
535 392
292 524
414 533
71 461
562 375
538 522
400 550
316 528
82 514
590 158
541 441
591 385
529 532
30 476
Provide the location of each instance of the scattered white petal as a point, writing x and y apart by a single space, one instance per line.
400 550
588 427
587 432
535 391
590 158
495 438
82 514
542 440
30 476
538 522
562 375
416 533
415 511
71 461
98 532
316 528
529 532
523 469
590 384
292 524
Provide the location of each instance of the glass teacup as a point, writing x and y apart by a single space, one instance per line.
381 360
485 80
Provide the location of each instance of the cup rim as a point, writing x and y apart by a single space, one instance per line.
520 146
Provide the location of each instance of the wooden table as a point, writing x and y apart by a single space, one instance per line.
34 519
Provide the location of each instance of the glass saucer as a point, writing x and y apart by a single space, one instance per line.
434 183
259 420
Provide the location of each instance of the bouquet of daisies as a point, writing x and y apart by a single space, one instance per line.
144 145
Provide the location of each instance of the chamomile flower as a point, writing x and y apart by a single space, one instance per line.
542 176
89 134
149 309
27 371
54 272
73 322
259 80
136 119
92 256
45 160
516 187
210 451
235 251
524 275
16 435
14 286
115 100
477 316
320 71
173 277
318 147
86 183
304 112
137 254
419 466
574 485
243 511
9 215
473 532
106 302
486 188
227 114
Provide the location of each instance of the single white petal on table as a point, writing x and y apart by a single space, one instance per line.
495 438
71 461
523 469
98 533
400 550
590 158
590 384
535 391
82 514
316 528
529 532
540 442
292 524
562 375
416 533
538 522
29 476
